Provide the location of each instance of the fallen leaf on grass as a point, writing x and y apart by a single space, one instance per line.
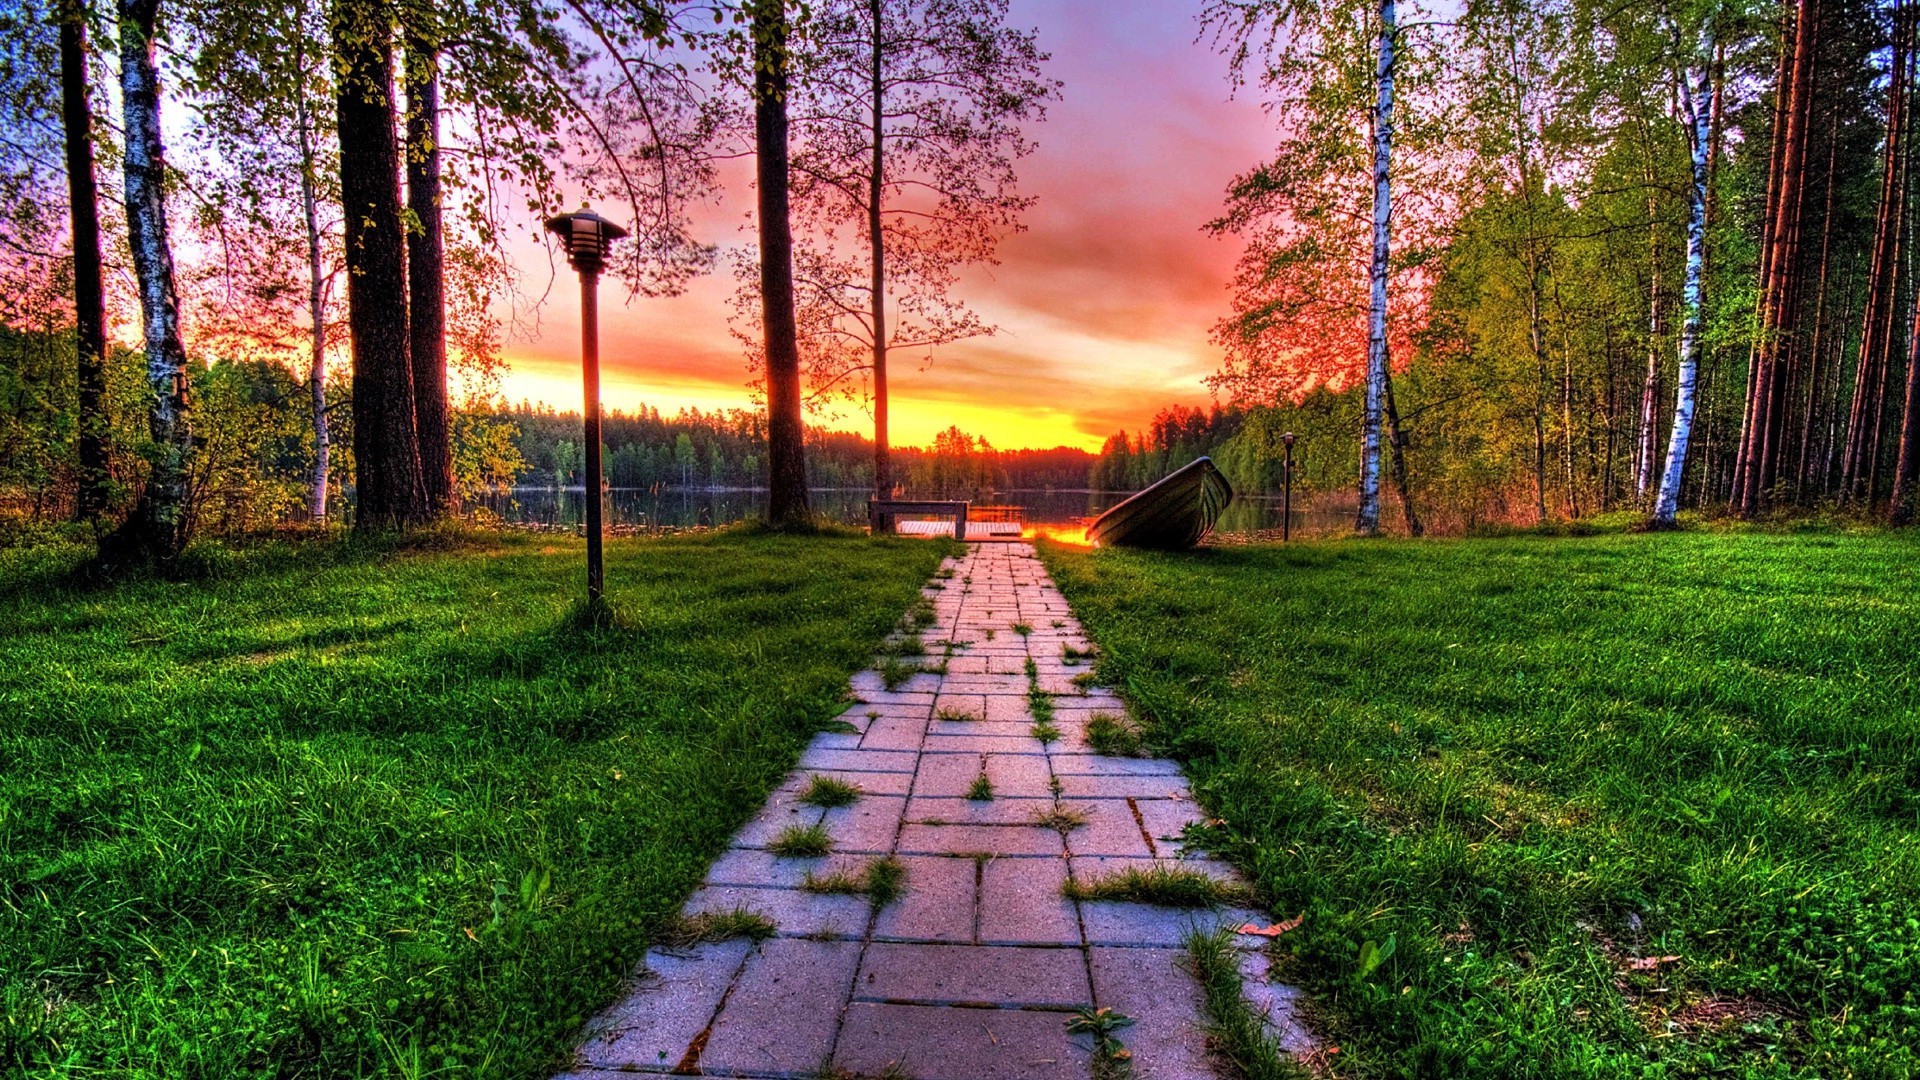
1649 963
1276 929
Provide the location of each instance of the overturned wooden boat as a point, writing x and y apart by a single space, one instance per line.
1171 515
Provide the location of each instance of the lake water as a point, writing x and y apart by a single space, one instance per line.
681 507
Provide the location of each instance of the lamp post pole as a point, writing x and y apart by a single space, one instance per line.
590 379
587 237
1286 500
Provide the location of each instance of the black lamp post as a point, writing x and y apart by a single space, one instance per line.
1286 502
587 237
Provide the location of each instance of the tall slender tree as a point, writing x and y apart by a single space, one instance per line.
426 262
388 483
160 523
787 503
89 291
1367 521
1694 75
908 119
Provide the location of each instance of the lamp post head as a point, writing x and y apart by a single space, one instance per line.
587 236
1288 439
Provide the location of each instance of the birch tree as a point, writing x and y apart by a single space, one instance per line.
94 489
1693 73
1321 216
158 528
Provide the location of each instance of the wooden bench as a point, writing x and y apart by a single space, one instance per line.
883 513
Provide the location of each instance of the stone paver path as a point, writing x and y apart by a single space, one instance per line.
972 972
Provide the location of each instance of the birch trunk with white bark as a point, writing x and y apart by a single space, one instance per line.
1695 103
158 528
1368 520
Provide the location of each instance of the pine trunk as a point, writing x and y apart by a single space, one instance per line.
387 477
786 432
89 293
160 523
426 276
1876 332
1367 522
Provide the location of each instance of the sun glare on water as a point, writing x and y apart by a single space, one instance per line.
1072 535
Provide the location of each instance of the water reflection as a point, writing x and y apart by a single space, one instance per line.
681 507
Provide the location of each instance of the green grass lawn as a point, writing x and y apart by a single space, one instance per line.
1619 805
341 812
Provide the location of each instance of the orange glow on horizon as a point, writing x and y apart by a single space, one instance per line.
1070 535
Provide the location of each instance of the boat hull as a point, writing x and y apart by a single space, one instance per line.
1172 515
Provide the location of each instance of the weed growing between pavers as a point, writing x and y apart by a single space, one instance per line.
684 930
1060 819
1045 732
1039 702
982 789
1169 886
1114 736
1591 753
1071 655
1024 629
1111 1059
802 842
275 820
1235 1030
894 672
955 716
828 792
883 880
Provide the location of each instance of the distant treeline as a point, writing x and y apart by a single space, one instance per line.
726 448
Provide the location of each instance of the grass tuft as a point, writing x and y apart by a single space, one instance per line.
1168 886
828 792
982 789
1045 731
1235 1031
681 931
1114 736
883 880
802 842
1060 819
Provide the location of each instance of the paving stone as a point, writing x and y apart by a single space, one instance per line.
796 913
751 867
1168 1037
1165 819
869 783
959 705
1001 976
938 904
962 811
1101 765
981 839
834 740
1276 1003
782 1013
1013 775
772 820
860 715
935 1043
1021 903
867 826
894 733
1087 868
979 744
1009 709
894 697
843 760
1124 787
672 1002
1019 729
1110 829
1109 922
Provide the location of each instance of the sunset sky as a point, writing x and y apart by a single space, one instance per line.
1103 305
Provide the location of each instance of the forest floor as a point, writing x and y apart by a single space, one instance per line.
340 810
1618 805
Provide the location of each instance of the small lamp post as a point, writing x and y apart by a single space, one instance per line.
1286 501
587 237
